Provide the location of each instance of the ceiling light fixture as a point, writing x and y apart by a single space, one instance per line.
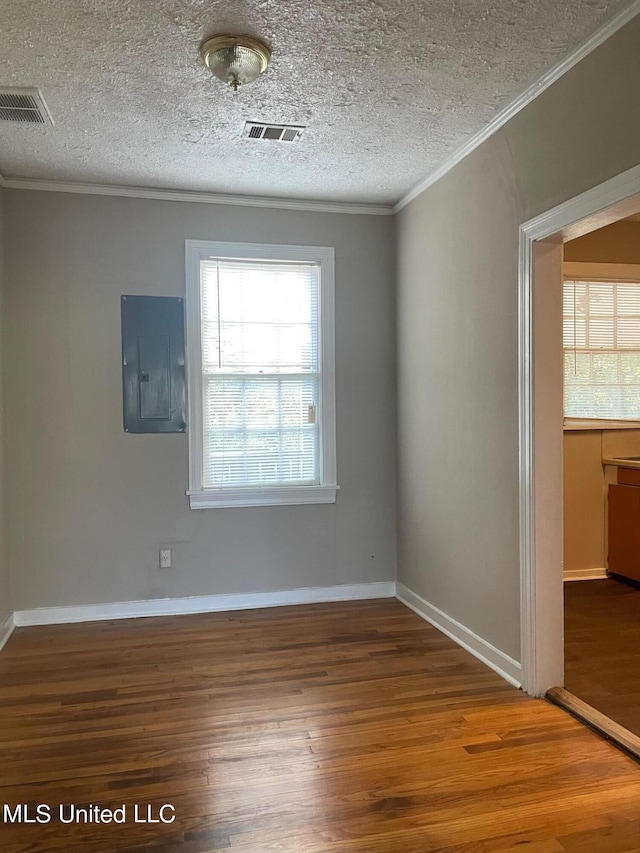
236 60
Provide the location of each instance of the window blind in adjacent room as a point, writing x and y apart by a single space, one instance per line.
601 338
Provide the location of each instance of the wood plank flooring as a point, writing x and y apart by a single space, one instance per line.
602 648
337 728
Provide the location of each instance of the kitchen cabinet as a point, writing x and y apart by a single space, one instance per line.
624 525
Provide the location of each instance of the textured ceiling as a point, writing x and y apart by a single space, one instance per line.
387 88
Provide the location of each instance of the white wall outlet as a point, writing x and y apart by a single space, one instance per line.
165 558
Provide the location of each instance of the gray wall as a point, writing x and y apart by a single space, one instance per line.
5 598
457 333
90 505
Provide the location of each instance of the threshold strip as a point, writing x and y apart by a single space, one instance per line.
603 725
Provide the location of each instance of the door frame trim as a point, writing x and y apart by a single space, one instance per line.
542 654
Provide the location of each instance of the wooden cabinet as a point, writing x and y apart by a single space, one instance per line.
629 476
624 530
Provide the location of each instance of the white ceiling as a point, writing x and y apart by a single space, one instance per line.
387 88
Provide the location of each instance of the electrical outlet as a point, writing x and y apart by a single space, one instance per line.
165 558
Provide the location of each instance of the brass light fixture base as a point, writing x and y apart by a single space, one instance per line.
236 60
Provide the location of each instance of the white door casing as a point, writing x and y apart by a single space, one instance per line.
540 416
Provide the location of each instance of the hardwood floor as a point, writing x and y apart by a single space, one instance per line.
602 648
337 728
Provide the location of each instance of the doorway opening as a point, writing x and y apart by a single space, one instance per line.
563 415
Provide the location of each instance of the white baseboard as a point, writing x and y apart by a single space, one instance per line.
6 629
584 574
202 604
501 663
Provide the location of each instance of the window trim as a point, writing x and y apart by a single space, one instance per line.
272 495
592 271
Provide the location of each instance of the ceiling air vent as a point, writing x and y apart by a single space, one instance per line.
23 105
274 132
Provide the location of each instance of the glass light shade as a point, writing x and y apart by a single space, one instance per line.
235 60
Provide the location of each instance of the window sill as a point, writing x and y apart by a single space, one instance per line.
592 423
264 496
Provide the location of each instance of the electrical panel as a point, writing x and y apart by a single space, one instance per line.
153 364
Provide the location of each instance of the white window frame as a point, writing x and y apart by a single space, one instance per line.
272 495
592 271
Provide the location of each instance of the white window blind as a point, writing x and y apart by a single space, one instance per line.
601 335
261 374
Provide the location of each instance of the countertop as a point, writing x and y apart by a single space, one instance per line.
621 462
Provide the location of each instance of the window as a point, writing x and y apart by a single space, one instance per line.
601 334
261 374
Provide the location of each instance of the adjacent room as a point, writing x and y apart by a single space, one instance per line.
269 486
601 337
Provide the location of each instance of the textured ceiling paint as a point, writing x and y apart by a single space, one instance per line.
386 88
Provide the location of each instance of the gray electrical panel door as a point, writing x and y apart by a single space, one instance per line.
153 376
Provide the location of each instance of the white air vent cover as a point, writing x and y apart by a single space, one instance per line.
23 105
273 132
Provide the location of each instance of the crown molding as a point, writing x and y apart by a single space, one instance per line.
194 196
518 103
